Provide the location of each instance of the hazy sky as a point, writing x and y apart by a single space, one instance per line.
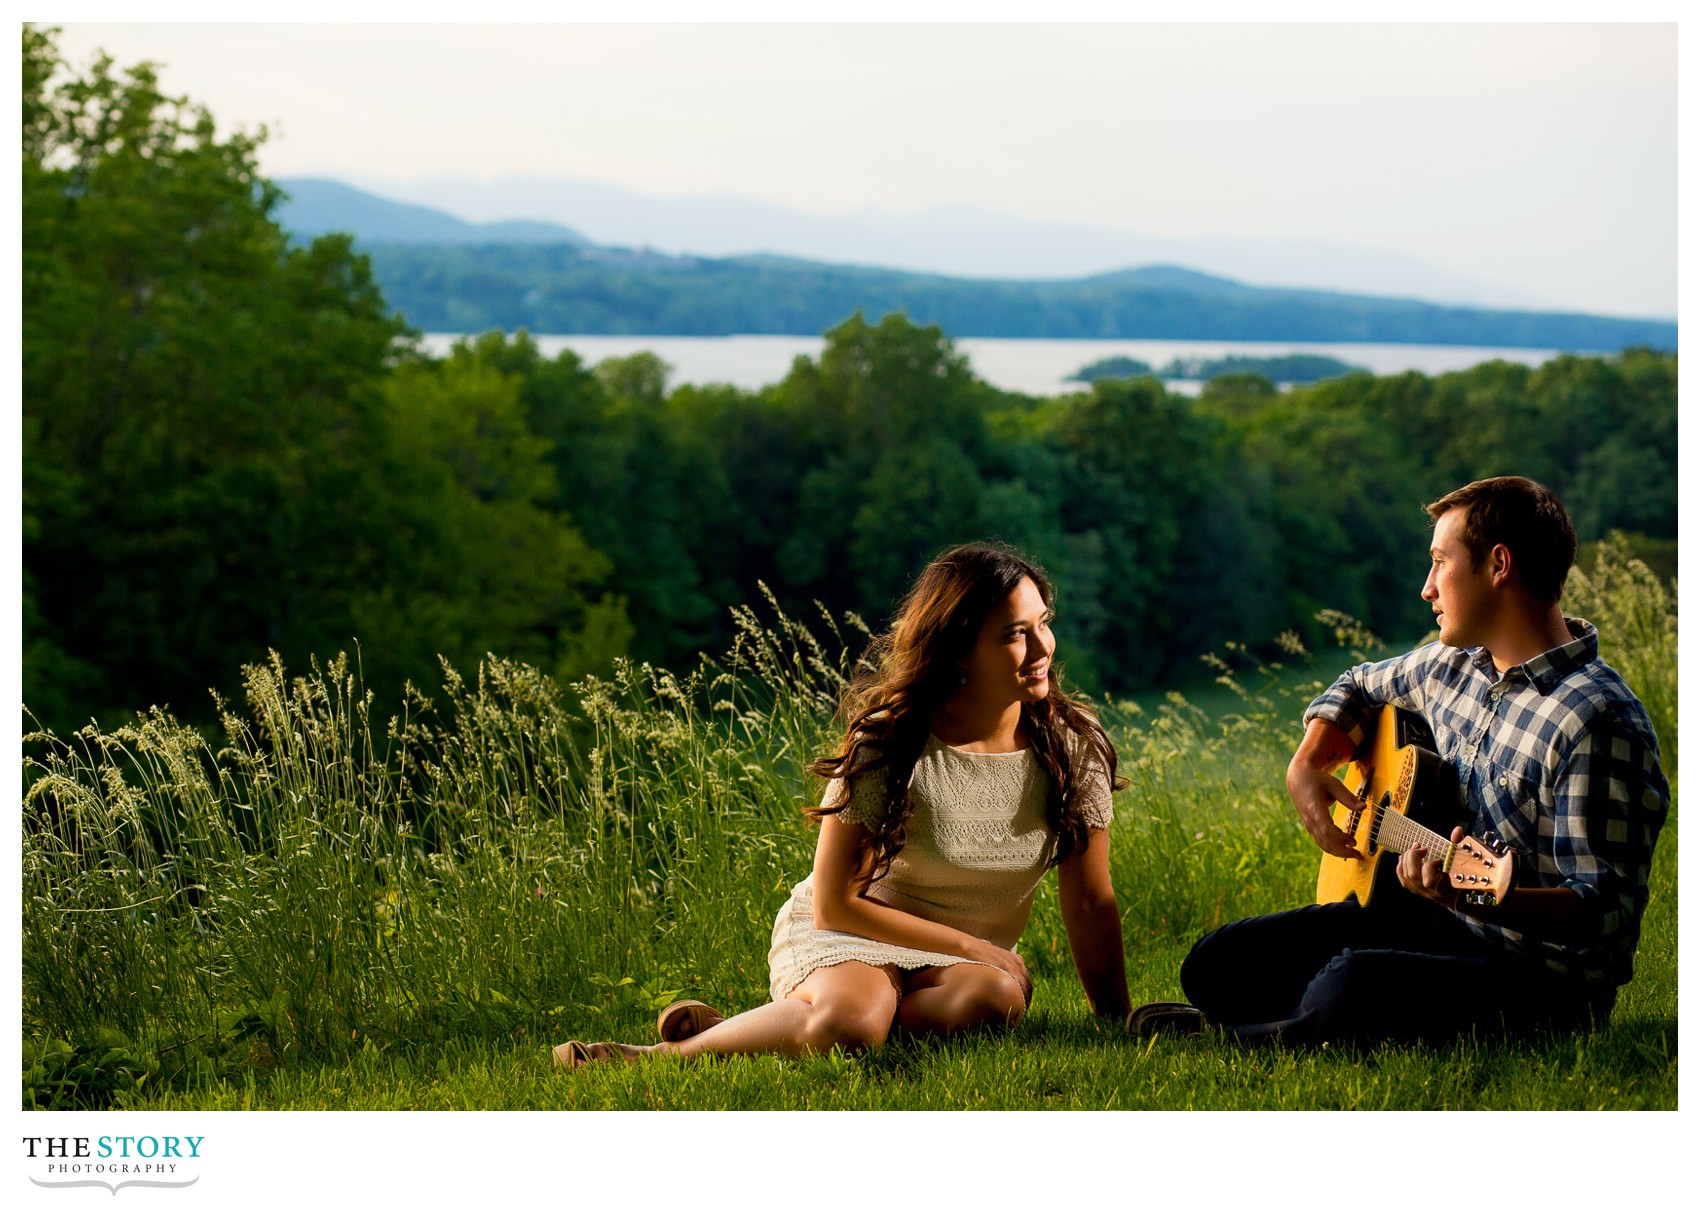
1539 156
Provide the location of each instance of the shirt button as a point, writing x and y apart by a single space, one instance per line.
1503 781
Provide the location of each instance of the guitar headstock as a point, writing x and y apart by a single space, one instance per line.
1481 870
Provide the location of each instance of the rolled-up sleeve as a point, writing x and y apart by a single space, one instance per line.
1610 800
1351 702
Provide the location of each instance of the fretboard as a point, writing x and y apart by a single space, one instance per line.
1400 833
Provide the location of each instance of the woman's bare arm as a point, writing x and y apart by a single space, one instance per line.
1094 926
843 862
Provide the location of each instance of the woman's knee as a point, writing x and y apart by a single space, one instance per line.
993 998
853 1026
961 998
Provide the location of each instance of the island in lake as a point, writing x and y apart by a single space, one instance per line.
1281 368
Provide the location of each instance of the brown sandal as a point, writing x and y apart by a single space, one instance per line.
570 1055
685 1018
575 1054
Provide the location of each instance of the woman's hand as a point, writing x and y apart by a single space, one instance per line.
1008 962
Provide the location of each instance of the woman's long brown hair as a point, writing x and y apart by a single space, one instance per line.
915 668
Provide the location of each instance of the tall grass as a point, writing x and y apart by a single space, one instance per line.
503 857
1636 617
508 861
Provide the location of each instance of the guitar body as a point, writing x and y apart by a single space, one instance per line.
1399 773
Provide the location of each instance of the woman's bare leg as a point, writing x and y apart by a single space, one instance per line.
959 997
849 1005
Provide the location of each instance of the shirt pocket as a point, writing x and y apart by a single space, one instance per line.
1506 802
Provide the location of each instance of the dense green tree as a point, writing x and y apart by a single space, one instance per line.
892 430
217 459
1345 504
1235 394
1139 477
638 471
482 562
1609 429
1467 426
198 398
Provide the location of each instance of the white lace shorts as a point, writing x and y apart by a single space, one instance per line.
798 948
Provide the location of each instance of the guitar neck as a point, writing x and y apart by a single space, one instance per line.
1396 832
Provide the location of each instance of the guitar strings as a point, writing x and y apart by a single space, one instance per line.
1402 833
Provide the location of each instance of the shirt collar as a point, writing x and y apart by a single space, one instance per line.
1545 671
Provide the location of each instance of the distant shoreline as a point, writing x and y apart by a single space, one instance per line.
1031 366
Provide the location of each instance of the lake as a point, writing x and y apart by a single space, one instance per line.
1034 367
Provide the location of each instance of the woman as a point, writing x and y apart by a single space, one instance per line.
965 774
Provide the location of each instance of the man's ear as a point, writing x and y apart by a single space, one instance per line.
1500 565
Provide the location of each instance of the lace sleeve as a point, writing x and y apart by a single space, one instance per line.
1093 796
865 803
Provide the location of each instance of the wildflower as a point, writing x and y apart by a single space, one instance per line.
1199 836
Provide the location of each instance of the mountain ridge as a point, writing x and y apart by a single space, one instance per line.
316 206
955 238
448 274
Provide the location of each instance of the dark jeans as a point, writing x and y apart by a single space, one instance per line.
1401 970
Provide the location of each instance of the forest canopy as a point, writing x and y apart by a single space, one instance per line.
234 445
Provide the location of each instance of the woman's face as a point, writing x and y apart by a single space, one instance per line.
1011 660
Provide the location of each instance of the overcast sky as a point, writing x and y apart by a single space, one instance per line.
1542 157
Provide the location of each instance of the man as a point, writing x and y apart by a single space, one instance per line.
1553 753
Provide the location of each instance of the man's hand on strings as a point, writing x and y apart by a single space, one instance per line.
1419 872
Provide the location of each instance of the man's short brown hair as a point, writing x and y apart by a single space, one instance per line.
1527 518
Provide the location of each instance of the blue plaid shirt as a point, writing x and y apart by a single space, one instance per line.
1557 757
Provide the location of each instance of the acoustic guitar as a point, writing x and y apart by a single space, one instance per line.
1406 788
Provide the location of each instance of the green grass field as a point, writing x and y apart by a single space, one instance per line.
316 910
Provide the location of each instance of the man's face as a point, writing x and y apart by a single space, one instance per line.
1460 593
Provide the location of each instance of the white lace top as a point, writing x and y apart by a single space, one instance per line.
976 848
977 843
